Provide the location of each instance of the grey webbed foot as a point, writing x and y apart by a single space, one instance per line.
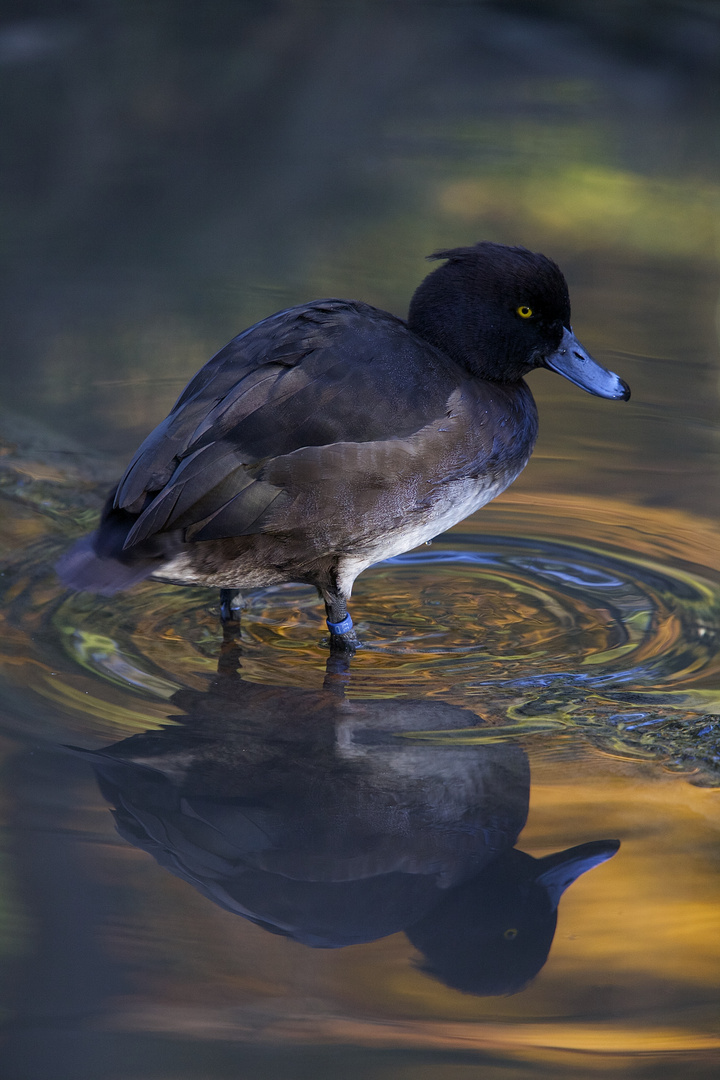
344 644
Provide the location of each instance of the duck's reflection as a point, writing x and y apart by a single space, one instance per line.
314 817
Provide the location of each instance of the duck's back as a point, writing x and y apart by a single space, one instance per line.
328 372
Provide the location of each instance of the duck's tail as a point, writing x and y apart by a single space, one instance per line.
82 568
99 563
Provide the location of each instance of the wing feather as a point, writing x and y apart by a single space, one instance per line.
334 372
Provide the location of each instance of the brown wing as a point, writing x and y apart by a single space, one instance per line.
319 377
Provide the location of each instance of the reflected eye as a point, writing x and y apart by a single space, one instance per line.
524 311
510 934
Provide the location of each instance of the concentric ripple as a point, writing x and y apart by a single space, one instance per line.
544 614
534 635
471 612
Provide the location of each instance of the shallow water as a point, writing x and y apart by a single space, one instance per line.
231 857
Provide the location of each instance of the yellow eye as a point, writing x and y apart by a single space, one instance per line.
510 934
524 311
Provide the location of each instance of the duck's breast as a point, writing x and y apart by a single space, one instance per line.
372 500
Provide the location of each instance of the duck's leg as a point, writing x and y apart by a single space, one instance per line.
229 607
342 632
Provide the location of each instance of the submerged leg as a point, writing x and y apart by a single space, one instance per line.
230 652
229 605
337 671
342 632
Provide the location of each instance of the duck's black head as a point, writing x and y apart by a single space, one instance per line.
502 311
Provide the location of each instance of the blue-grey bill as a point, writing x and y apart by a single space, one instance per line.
572 361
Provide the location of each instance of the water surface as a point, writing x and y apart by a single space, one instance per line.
225 857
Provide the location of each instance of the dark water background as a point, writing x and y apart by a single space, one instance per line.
171 173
